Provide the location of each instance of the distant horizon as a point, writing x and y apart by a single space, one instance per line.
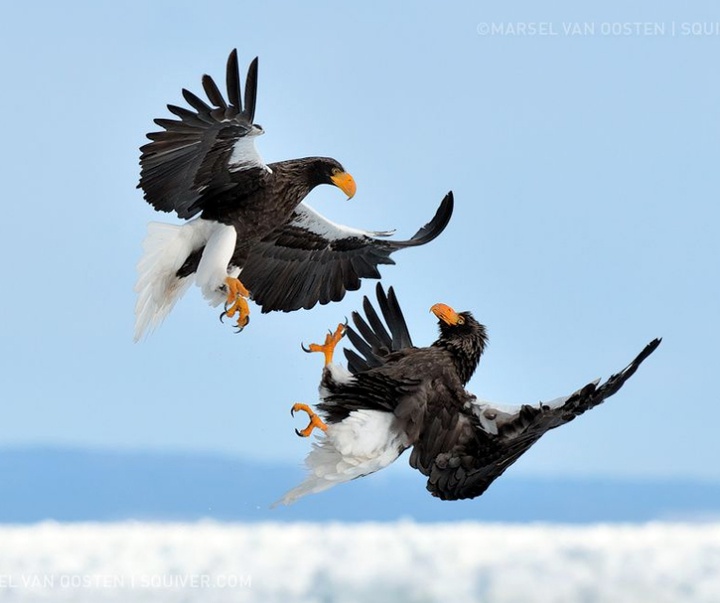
400 466
106 485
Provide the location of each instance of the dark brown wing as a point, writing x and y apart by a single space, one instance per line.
207 151
463 452
388 373
369 391
311 260
374 341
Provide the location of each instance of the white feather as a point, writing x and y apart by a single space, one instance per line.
244 154
365 442
308 219
165 249
213 267
493 415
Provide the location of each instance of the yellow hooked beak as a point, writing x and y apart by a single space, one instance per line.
345 182
447 314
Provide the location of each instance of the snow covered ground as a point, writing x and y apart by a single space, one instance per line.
398 562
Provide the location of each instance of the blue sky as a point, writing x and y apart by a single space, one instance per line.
586 221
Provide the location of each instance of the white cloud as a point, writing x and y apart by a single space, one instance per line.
401 562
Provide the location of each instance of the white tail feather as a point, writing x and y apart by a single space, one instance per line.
165 249
363 443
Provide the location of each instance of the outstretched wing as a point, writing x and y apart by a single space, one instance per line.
361 389
311 260
462 454
207 151
373 342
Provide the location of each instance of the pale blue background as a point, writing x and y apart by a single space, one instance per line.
586 222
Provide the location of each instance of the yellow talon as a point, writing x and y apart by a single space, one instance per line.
315 421
235 289
237 302
328 348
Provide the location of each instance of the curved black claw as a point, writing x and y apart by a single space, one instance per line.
239 328
298 434
221 316
292 412
304 349
345 326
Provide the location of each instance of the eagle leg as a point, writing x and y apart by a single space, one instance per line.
331 340
237 302
315 421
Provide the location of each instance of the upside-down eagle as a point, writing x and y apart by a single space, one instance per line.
394 396
249 234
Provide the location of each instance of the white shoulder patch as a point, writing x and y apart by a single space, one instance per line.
492 415
308 219
244 154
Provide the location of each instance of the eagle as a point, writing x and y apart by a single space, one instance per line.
393 396
248 234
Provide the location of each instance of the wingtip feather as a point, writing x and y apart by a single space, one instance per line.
251 90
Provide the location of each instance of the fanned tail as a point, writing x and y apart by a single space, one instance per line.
363 443
165 249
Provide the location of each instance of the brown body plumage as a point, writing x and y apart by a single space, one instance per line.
204 165
416 398
255 212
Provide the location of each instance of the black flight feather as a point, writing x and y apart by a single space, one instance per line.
251 91
232 81
458 442
213 94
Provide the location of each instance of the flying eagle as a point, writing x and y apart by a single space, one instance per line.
395 396
249 234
